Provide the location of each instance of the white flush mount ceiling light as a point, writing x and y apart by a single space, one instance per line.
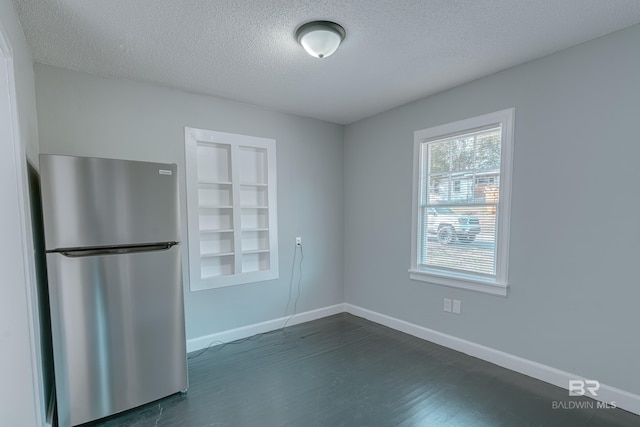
320 38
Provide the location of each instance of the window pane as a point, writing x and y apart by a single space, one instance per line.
462 154
486 188
487 148
439 189
462 188
439 159
458 214
461 238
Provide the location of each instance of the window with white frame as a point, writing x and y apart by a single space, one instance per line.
231 208
461 203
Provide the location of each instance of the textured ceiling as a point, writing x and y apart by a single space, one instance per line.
395 51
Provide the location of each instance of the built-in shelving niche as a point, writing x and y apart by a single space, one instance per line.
231 196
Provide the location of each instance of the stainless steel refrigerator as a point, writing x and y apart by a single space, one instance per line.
112 237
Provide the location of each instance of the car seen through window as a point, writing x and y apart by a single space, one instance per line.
449 226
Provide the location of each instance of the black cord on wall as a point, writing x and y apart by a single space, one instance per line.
218 345
295 304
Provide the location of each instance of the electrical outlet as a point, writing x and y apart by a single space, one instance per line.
298 241
456 306
447 305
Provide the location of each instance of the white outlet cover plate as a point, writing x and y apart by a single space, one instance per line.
456 306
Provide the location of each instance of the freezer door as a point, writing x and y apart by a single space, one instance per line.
118 331
89 202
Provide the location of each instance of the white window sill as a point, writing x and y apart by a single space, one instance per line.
462 282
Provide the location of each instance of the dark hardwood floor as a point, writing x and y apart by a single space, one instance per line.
347 371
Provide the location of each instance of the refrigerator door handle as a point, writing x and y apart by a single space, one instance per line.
116 250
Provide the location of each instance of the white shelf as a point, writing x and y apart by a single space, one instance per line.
255 207
217 255
247 230
249 184
207 183
209 207
257 251
212 231
215 276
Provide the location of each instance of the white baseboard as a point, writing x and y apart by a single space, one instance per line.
262 327
623 399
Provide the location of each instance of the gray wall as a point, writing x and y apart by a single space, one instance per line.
25 90
20 399
575 239
84 115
